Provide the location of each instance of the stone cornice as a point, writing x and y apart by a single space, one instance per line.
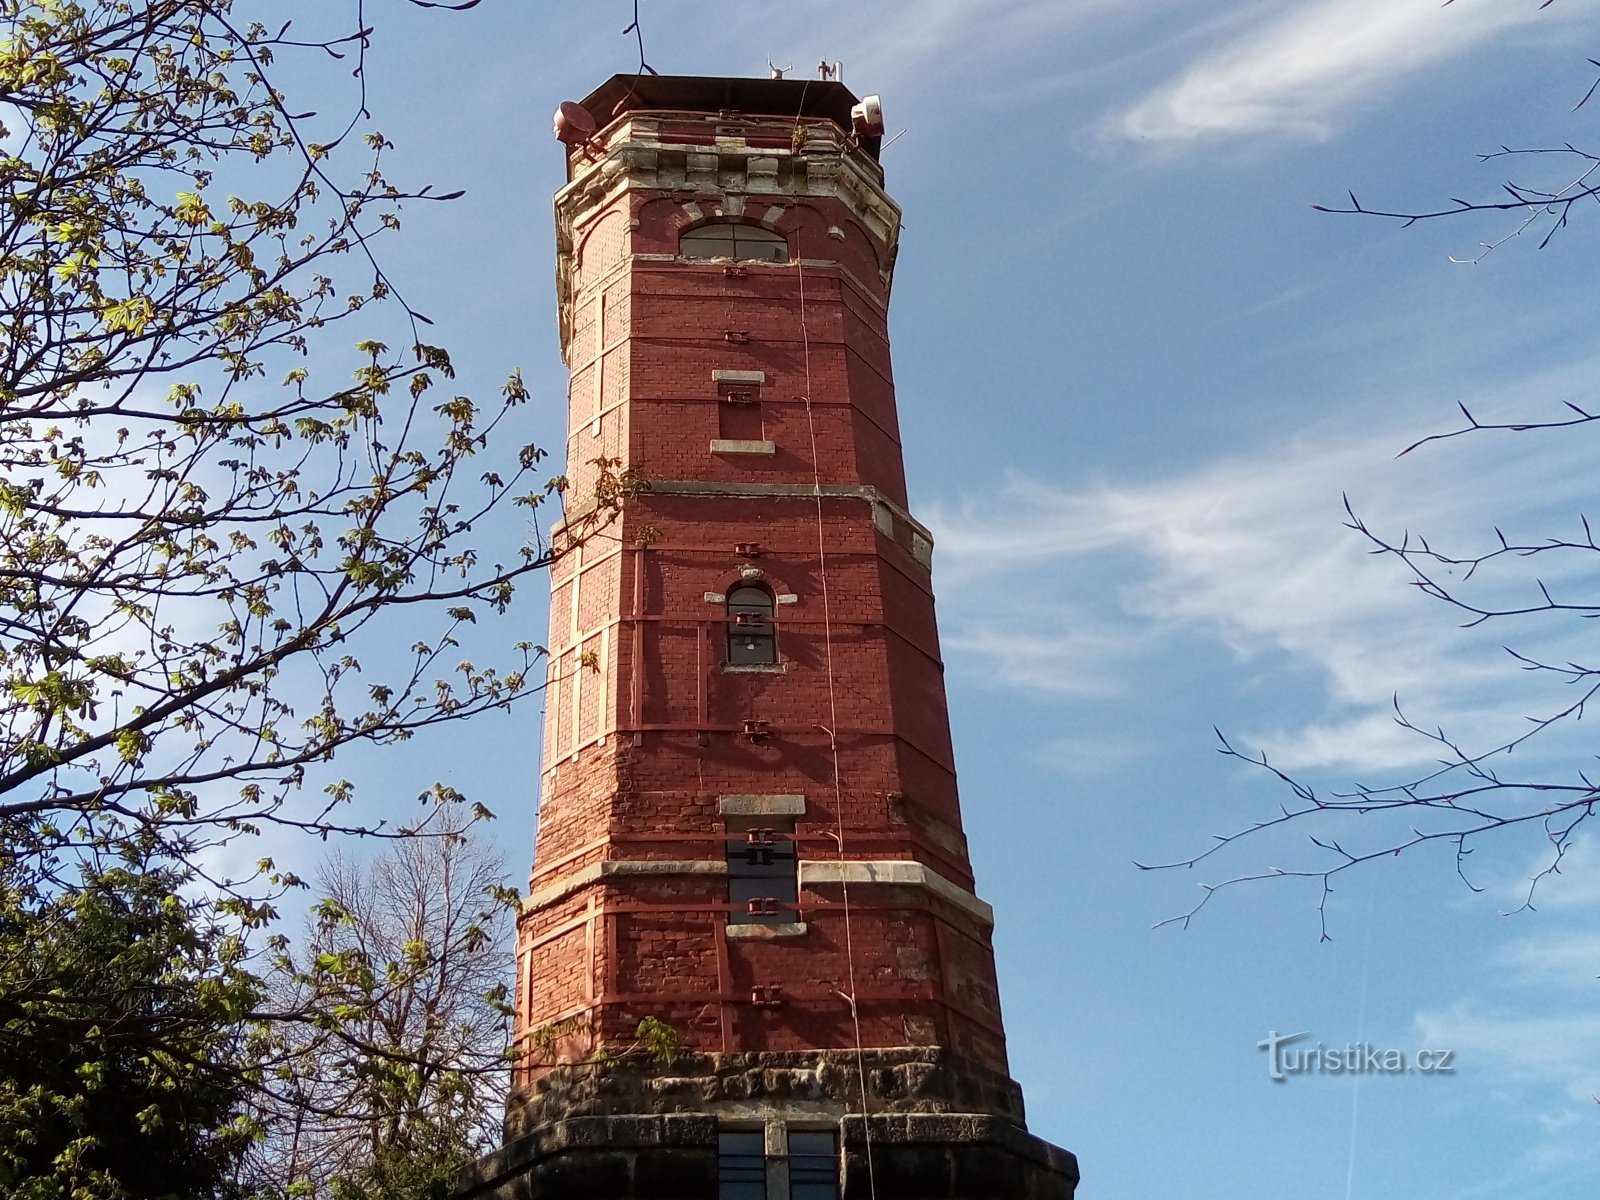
613 868
638 158
897 872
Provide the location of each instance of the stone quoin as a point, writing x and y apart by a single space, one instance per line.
749 829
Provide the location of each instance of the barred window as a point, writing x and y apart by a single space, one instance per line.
763 871
742 1164
813 1164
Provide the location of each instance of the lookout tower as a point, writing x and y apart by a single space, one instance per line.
749 828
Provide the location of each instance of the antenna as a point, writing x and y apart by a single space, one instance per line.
575 127
866 118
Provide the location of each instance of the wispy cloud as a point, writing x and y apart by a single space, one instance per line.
1294 73
902 46
1568 891
1562 958
1553 1048
1538 1059
1543 1070
1072 664
1250 552
1102 754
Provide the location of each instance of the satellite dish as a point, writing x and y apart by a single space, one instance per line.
866 118
574 125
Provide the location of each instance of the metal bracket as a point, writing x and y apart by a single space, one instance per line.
767 995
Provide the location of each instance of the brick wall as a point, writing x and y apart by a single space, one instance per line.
646 726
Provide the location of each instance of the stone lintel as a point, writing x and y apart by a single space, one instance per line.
767 932
761 806
743 446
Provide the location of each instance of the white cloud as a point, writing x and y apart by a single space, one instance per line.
1101 754
903 46
1078 661
1543 1069
1576 885
1250 552
1557 1055
1570 959
1292 74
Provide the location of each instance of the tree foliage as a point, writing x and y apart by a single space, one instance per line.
142 1053
392 1071
122 1039
243 500
211 499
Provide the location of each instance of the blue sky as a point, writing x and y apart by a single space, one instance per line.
1136 373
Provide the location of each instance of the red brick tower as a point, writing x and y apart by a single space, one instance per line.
749 828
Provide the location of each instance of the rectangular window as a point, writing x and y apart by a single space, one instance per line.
763 871
813 1164
739 413
742 1164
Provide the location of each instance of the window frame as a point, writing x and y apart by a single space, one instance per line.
759 637
755 238
741 1175
749 1168
814 1174
777 879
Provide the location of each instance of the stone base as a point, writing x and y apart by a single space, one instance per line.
758 1084
904 1156
925 1156
602 1158
941 1127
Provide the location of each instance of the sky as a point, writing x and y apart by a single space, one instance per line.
1138 375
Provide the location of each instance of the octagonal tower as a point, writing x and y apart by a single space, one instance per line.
749 832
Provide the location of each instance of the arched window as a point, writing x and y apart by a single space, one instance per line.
752 638
729 240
